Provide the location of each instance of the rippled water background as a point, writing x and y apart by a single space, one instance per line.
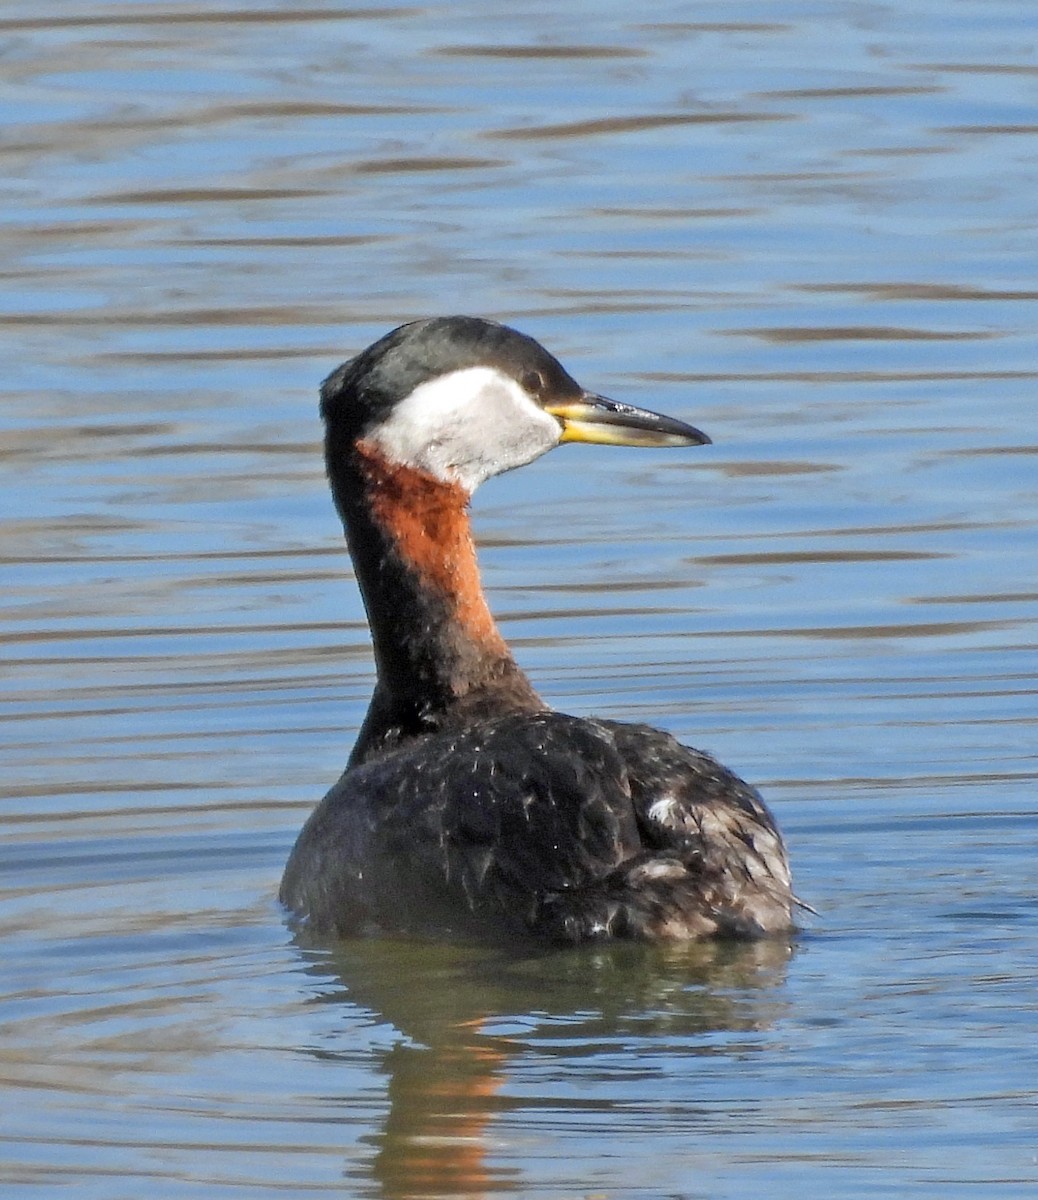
808 228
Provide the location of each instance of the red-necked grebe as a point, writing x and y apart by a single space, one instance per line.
467 801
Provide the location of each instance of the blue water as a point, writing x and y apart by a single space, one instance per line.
806 228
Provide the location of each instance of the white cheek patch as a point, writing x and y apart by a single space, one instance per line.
465 426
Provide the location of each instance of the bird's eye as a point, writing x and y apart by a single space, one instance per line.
533 382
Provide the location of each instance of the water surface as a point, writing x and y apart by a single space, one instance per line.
806 228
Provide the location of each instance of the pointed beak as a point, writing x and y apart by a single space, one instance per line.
591 418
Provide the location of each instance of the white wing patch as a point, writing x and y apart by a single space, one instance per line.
665 810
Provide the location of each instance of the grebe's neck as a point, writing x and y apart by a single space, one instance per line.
440 658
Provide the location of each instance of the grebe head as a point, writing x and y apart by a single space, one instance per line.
462 399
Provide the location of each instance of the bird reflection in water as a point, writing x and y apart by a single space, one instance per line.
471 1021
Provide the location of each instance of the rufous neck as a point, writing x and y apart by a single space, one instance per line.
438 651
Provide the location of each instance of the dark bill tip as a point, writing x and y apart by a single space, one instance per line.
606 422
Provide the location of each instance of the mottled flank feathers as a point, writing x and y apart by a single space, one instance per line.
548 824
